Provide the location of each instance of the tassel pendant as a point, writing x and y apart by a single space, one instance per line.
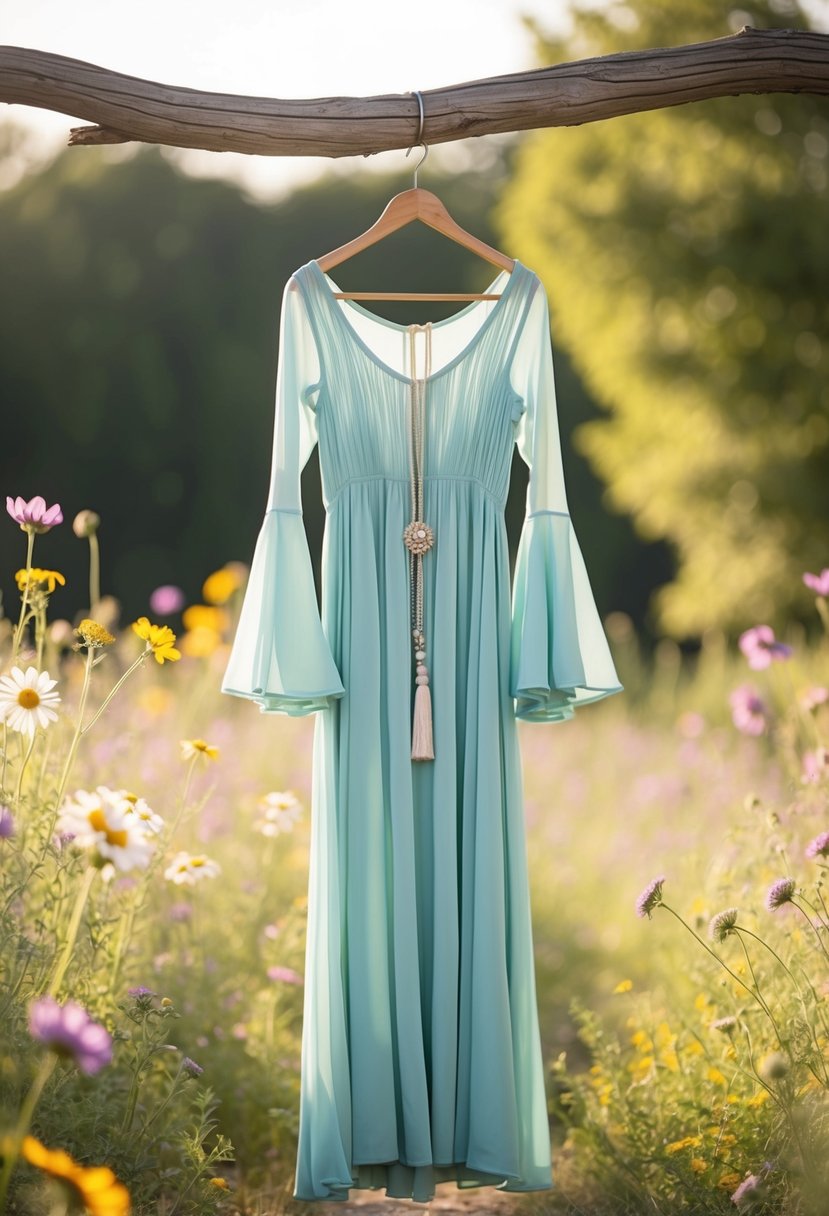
422 744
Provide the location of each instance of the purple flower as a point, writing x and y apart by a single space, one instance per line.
140 990
69 1031
819 847
286 974
815 765
780 892
180 911
750 1191
166 600
818 583
33 515
759 646
6 823
650 897
191 1066
748 710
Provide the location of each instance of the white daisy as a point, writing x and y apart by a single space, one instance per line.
103 821
280 811
187 870
26 701
150 822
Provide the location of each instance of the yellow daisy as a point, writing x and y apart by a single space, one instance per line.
95 1186
92 634
160 639
192 747
34 576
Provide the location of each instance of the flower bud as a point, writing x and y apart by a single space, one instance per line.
85 523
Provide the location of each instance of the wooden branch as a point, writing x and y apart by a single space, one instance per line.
128 108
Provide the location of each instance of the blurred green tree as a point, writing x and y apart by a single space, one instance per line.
686 253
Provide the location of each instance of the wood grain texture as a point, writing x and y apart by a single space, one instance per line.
127 108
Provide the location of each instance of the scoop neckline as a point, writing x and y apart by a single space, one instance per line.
325 280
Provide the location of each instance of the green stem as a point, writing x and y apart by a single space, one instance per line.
18 633
15 1140
762 999
72 932
115 688
811 926
23 764
94 572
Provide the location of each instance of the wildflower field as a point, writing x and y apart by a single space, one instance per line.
154 847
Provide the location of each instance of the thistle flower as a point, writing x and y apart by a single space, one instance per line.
748 710
159 639
780 892
196 747
33 516
721 925
95 1187
37 579
650 897
814 696
280 811
725 1025
92 635
27 701
191 1066
69 1031
140 990
105 822
819 847
760 646
187 870
819 583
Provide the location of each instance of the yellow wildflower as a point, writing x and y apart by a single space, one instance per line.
693 1048
194 747
623 986
759 1098
96 1187
698 1164
34 576
221 1183
159 638
716 1076
203 616
685 1142
92 634
219 586
729 1179
200 642
642 1040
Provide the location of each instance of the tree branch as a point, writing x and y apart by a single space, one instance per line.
127 108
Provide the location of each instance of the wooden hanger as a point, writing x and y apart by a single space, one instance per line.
404 208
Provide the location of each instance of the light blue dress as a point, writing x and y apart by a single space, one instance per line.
421 1056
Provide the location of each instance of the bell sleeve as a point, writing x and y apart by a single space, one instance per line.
280 657
559 654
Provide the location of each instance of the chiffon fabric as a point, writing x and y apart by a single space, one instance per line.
421 1054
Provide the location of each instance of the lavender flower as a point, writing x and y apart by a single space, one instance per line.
819 583
33 516
69 1031
748 710
191 1066
650 897
780 892
6 823
760 646
819 847
721 925
140 990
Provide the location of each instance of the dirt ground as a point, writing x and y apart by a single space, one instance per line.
448 1201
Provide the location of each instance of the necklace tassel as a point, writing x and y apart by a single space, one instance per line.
422 744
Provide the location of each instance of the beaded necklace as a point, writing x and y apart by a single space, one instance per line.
418 538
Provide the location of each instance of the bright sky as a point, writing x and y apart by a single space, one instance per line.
281 48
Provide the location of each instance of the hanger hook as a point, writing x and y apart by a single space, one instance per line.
419 139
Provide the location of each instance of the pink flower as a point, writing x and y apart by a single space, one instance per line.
748 710
760 647
819 583
33 515
166 599
69 1031
812 697
286 974
815 765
